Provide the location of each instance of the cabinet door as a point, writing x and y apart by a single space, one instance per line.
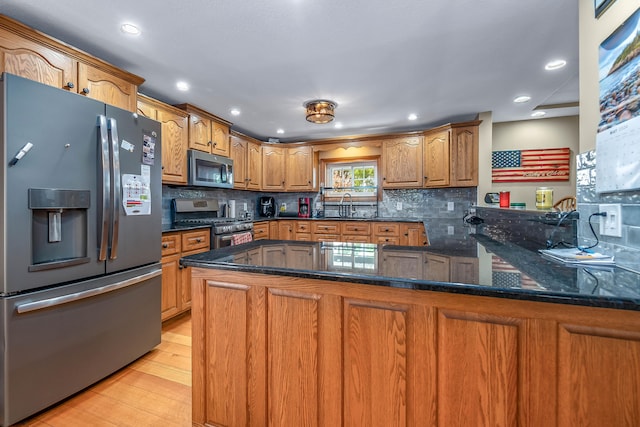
105 87
260 230
436 267
175 135
171 276
402 162
254 166
465 157
219 139
299 172
273 168
285 230
413 235
465 270
239 157
403 264
33 61
146 109
437 160
199 133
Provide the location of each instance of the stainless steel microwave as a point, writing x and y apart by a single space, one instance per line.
208 170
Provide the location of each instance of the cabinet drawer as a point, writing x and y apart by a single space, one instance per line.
356 228
325 227
304 237
386 229
326 237
303 227
195 240
170 244
260 230
355 238
386 240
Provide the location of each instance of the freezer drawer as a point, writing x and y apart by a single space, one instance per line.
59 341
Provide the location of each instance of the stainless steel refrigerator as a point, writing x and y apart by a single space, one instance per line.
81 229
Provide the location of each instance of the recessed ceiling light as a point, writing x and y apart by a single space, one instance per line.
235 112
521 99
538 114
338 125
412 116
183 86
555 65
280 131
130 29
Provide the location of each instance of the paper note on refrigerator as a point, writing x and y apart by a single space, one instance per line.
136 194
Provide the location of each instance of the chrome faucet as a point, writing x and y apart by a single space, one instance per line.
351 210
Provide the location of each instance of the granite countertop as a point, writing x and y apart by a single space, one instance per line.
505 270
369 219
168 228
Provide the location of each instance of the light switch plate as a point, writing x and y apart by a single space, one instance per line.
399 206
611 225
450 229
449 206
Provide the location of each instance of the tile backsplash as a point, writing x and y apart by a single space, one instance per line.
626 248
413 203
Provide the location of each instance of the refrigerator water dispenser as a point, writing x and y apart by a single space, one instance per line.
59 227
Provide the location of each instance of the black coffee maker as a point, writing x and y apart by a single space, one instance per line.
267 207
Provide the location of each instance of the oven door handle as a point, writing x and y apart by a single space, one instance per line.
226 237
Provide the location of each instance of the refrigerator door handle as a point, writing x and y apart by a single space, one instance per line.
64 299
103 234
116 193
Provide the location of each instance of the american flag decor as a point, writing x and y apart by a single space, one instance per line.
530 165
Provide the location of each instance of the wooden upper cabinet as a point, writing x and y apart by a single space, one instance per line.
254 166
207 132
464 162
451 155
299 169
247 162
273 168
436 159
35 56
174 137
402 162
238 154
98 84
34 61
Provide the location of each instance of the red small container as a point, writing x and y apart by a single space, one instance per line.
505 199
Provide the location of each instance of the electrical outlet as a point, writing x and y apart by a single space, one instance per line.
449 206
450 229
244 206
611 225
472 211
399 206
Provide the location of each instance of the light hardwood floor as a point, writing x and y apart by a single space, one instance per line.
155 390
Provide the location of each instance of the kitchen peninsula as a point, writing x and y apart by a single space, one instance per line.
314 333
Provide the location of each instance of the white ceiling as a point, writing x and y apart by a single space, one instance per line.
380 60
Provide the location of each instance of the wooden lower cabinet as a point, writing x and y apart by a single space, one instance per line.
260 230
176 280
323 353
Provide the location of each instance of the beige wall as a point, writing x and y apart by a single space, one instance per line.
593 32
557 132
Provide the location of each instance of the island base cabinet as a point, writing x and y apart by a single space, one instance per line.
279 351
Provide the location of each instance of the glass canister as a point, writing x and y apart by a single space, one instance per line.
544 198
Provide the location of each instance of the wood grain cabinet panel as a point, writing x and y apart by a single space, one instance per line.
260 230
299 168
254 166
170 293
402 162
98 84
174 137
207 132
273 168
478 360
464 162
437 161
598 376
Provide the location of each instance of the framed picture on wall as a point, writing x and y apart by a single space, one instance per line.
601 5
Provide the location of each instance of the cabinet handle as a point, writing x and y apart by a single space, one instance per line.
85 90
198 240
209 143
426 178
165 245
384 178
69 85
180 267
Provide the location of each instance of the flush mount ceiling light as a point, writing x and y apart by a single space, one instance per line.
521 99
320 110
555 65
130 29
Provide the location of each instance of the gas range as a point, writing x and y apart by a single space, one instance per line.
208 212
